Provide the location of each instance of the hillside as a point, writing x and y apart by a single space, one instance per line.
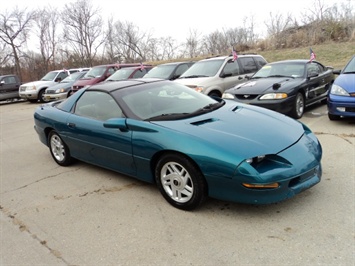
335 54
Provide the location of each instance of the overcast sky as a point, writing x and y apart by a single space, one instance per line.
176 18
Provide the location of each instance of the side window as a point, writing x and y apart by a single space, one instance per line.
111 70
97 105
260 61
248 65
231 68
139 73
181 69
62 75
312 68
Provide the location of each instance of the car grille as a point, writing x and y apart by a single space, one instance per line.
50 91
246 97
23 88
350 109
302 178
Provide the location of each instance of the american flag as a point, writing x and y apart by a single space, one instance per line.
142 66
234 53
313 55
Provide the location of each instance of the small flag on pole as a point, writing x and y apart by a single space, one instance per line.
312 55
234 53
142 66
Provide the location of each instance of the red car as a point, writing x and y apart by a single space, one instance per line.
98 74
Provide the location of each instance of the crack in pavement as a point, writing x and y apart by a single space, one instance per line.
39 180
342 136
23 228
102 191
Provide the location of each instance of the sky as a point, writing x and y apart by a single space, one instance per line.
177 18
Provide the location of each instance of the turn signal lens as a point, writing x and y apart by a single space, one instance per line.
272 185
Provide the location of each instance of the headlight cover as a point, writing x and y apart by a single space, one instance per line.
337 90
274 96
228 95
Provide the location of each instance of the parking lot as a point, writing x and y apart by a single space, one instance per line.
85 215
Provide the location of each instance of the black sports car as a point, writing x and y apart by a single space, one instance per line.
285 86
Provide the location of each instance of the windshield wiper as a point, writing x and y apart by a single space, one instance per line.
170 116
349 72
279 76
194 76
208 108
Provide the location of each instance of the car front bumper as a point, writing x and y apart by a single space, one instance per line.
56 97
341 106
283 106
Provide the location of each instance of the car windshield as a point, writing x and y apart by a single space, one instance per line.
350 67
206 68
122 73
95 72
161 72
164 101
294 70
72 77
50 76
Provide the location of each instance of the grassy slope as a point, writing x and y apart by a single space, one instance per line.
334 54
330 54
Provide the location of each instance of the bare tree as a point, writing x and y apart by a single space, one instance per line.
193 43
47 32
130 43
83 29
276 26
14 31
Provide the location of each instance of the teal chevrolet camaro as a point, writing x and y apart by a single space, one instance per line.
190 145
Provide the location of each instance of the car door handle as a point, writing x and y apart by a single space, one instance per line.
71 125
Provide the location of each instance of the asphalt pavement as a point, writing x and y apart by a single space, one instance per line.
85 215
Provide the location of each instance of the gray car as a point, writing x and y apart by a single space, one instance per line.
62 89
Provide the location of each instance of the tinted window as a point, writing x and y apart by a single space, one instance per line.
139 73
180 70
97 105
231 68
248 64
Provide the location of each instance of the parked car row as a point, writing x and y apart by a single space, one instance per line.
287 86
171 133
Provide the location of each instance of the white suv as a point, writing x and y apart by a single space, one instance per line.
34 91
212 76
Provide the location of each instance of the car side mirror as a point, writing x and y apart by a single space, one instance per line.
2 82
337 71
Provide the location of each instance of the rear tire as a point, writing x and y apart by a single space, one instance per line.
180 182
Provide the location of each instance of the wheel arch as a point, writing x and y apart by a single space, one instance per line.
159 154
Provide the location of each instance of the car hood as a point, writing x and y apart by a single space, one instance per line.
192 82
250 130
87 81
265 85
346 81
61 85
39 83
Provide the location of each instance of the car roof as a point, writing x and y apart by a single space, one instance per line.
303 61
219 57
121 84
176 63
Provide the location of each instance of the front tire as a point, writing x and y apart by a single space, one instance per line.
180 182
41 96
59 150
298 106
